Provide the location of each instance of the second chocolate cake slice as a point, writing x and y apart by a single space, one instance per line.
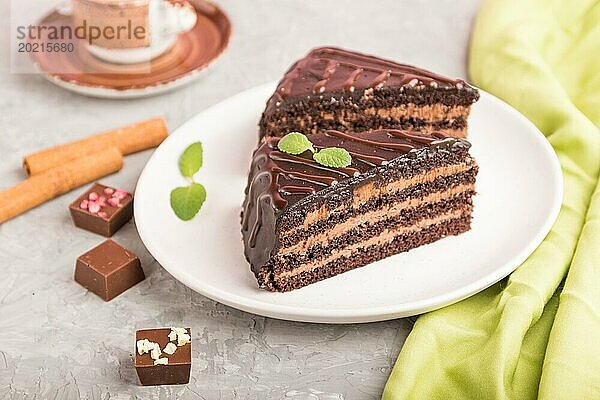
303 222
332 88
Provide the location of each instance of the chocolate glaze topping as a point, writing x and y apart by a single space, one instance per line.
278 181
330 69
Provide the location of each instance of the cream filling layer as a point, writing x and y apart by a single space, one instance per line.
362 194
372 218
385 237
430 113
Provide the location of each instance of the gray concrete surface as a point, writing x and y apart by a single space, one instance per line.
58 341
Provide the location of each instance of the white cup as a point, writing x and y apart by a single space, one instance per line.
132 31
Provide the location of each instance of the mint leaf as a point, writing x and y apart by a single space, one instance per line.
295 143
187 201
335 157
191 160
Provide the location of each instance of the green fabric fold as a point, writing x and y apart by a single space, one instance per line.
527 336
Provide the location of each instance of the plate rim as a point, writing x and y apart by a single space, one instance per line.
369 314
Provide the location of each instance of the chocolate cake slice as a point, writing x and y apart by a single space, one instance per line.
303 222
332 88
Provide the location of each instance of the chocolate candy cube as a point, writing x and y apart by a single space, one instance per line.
108 270
102 209
154 363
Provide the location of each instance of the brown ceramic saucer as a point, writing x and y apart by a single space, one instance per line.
81 72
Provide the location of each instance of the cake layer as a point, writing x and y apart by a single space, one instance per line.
428 113
376 235
363 256
391 196
452 122
403 213
456 128
332 88
411 113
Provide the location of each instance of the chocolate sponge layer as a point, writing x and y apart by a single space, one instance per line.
361 114
267 279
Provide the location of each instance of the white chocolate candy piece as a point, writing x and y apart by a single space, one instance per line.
144 346
161 361
170 348
155 352
181 335
183 339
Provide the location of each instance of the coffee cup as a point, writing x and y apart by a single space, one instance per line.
132 31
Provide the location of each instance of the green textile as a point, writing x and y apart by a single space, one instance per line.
537 333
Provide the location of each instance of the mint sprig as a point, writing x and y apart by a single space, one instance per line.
190 161
334 157
186 201
297 143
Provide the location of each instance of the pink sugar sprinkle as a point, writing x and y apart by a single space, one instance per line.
93 196
102 201
93 207
84 204
102 214
113 202
119 194
109 190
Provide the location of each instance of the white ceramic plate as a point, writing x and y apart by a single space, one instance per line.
519 194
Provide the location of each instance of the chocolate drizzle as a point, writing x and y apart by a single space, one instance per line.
329 70
351 81
278 181
381 79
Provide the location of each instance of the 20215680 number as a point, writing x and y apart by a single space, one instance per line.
45 47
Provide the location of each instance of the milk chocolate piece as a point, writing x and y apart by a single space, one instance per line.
176 372
102 209
108 270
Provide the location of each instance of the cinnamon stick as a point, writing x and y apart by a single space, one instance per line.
129 139
53 182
